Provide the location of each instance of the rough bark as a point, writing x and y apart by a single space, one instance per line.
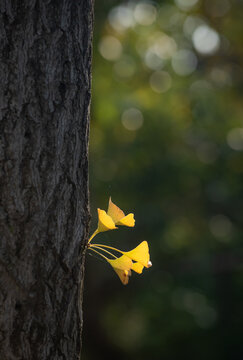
45 49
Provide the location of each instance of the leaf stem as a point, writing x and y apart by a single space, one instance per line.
99 247
93 235
99 253
108 247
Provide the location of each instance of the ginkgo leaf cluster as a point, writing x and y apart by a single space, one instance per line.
135 259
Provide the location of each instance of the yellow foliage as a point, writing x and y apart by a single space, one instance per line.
105 222
118 215
135 259
140 254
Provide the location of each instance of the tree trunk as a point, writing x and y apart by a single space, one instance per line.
45 66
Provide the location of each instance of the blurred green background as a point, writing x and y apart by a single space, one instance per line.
166 142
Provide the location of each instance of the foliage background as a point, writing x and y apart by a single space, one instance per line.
166 144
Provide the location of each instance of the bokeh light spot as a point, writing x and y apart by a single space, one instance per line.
110 48
145 14
220 77
132 119
190 25
185 4
184 62
235 139
220 226
196 304
205 40
121 18
153 60
199 87
160 81
164 46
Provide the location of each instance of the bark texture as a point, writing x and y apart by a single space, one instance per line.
45 49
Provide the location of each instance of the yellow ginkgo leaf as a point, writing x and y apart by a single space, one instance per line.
137 267
123 275
105 222
122 267
122 263
114 212
127 221
118 215
140 254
